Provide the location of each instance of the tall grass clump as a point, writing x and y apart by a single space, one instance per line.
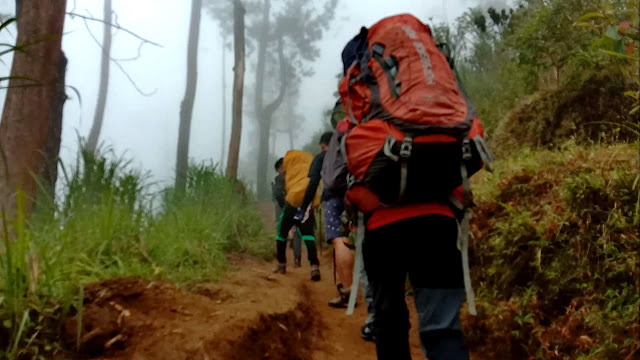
107 222
194 228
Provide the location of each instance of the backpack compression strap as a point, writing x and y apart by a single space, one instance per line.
403 158
463 227
485 153
465 206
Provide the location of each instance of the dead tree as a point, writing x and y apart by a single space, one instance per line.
94 134
223 134
238 86
186 108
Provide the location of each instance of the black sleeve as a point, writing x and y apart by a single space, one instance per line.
314 180
278 190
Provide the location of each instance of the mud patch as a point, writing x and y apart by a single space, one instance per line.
290 335
105 316
246 316
212 291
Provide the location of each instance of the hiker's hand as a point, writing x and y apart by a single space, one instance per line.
299 217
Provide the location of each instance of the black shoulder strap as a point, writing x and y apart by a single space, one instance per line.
446 50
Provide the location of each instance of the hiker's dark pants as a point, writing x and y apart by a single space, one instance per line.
307 230
424 248
297 237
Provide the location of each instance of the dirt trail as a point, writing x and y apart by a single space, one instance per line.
250 314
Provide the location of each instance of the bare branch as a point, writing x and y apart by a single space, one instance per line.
115 22
17 86
133 82
98 42
134 57
116 26
117 62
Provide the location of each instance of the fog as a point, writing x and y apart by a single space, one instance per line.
146 127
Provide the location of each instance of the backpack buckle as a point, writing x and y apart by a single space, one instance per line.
356 79
351 180
377 49
388 146
405 147
466 150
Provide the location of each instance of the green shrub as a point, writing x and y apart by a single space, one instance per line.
555 256
590 111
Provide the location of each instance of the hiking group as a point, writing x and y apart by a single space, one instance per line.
395 189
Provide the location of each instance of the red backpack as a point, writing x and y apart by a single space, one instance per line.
417 136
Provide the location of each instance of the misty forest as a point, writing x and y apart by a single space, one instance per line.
137 149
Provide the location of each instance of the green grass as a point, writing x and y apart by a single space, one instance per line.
108 224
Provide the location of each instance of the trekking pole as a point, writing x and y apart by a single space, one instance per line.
319 229
335 280
357 265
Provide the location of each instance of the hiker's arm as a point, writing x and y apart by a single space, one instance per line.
311 192
279 192
314 181
280 199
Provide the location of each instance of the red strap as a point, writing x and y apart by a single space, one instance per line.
344 125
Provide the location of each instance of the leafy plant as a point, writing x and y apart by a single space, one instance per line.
618 36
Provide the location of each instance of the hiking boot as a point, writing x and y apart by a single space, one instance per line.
342 301
315 273
297 263
367 333
280 269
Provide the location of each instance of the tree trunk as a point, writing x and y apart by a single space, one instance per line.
27 109
224 100
265 127
94 134
49 167
186 108
263 159
262 52
238 86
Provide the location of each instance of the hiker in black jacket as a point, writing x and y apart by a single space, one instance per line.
314 176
